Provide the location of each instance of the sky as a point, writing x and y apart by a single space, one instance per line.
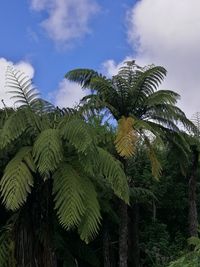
47 38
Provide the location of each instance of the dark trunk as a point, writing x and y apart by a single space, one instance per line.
30 252
33 231
193 219
123 234
134 250
106 248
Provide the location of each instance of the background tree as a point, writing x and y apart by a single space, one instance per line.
142 113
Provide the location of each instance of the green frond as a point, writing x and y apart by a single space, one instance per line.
169 113
21 87
17 180
19 122
162 97
78 133
112 171
68 196
141 194
145 82
90 221
42 106
126 137
48 151
81 76
14 126
155 164
102 85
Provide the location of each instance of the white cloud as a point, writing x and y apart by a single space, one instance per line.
66 19
167 32
68 94
22 66
111 68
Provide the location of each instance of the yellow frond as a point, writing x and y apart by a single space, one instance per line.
126 137
155 164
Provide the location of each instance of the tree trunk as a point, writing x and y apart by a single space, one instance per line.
123 234
106 248
193 218
134 251
33 231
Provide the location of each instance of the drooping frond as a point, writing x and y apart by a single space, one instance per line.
48 151
17 180
126 137
90 221
149 78
78 133
145 81
42 106
20 121
14 126
155 164
112 171
196 120
141 194
162 97
82 76
68 196
21 88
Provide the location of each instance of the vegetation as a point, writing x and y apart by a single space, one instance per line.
80 190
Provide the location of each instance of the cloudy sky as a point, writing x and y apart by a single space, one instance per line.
47 38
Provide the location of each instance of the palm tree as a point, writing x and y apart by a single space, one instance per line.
54 165
142 113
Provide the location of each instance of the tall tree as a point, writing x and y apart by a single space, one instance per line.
141 111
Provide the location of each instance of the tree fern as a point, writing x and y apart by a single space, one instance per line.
17 180
48 151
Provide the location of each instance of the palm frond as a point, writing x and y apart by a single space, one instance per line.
17 180
48 151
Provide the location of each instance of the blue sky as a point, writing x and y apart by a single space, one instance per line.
23 38
47 38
